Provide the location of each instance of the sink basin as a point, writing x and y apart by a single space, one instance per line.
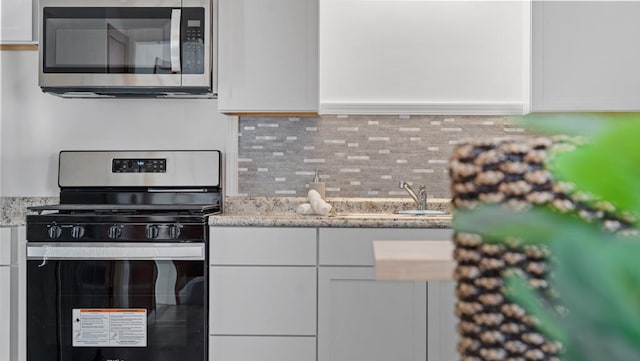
422 212
367 215
396 214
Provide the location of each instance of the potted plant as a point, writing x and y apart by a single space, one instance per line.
594 309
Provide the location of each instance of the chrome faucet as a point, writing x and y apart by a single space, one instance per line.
420 198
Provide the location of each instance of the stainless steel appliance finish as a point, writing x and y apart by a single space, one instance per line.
102 48
119 269
115 251
182 169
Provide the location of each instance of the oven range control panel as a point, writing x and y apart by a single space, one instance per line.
122 232
139 165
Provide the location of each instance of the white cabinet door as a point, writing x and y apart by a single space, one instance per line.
263 301
19 285
577 66
262 348
11 293
6 294
16 20
442 338
411 57
5 246
268 56
5 313
360 319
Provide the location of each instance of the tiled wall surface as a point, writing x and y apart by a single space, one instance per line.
358 156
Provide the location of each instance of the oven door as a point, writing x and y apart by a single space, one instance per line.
110 301
135 44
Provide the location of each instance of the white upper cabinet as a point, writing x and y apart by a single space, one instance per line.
16 20
424 57
585 56
268 56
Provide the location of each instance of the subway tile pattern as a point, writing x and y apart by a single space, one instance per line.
357 155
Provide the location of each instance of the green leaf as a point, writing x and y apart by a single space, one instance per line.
597 273
599 284
519 292
608 166
597 345
538 225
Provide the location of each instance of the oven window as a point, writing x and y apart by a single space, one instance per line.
107 40
164 302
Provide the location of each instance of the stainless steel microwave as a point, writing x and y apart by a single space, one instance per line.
147 48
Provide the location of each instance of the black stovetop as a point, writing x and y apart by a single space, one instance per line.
195 209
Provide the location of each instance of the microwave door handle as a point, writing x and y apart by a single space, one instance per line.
174 43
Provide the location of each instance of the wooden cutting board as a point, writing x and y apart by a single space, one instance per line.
414 260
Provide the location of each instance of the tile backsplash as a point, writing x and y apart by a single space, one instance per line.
357 155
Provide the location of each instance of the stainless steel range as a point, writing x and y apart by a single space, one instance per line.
118 269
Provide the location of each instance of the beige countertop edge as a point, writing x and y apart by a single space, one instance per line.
414 260
294 220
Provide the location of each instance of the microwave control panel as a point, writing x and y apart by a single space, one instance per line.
193 40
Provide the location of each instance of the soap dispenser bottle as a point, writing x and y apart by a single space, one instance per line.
317 184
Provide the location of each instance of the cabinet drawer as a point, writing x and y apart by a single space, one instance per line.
354 246
263 246
263 301
243 348
5 246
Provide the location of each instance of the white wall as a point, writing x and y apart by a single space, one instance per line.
415 52
36 126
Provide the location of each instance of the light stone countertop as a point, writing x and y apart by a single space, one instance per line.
346 212
13 210
281 212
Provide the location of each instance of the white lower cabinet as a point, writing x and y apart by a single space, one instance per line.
354 246
5 312
252 348
442 337
263 294
361 319
12 294
263 301
310 294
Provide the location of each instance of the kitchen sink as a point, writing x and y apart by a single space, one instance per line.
422 212
366 215
397 214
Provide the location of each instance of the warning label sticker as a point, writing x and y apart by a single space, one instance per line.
110 327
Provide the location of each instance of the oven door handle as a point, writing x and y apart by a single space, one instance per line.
116 251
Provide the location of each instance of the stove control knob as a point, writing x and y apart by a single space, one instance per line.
152 231
114 232
55 232
77 232
174 231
